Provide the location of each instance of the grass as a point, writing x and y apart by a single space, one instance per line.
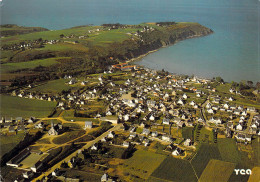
7 143
187 132
143 163
53 86
86 175
217 171
172 169
15 107
9 67
228 150
205 153
68 136
204 135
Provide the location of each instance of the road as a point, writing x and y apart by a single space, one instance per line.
88 145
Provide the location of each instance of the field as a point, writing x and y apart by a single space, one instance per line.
7 143
228 150
15 107
187 132
205 154
172 169
86 175
203 134
143 163
54 86
9 67
217 171
68 136
255 175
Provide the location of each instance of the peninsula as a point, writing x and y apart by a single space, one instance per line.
81 49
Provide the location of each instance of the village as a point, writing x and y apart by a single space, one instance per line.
129 108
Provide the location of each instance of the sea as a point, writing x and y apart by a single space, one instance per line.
232 52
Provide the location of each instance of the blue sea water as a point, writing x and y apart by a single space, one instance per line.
232 52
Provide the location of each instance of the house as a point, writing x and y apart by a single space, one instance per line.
180 102
187 142
154 133
31 120
94 147
215 107
210 111
239 127
251 109
36 167
226 106
166 138
11 129
28 174
110 134
166 121
132 135
192 103
146 142
55 129
230 124
126 144
20 128
88 124
106 178
208 105
14 162
237 112
19 119
146 131
56 172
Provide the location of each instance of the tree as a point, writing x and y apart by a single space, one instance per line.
250 83
219 79
257 85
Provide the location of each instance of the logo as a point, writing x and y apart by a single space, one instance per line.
243 171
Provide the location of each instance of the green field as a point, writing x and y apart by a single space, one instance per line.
228 150
68 136
15 107
53 86
143 163
7 143
217 171
8 67
187 132
172 169
205 153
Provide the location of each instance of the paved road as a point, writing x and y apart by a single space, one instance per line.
88 145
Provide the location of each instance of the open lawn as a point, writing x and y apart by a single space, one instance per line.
205 153
217 171
15 107
7 143
172 169
53 86
143 163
